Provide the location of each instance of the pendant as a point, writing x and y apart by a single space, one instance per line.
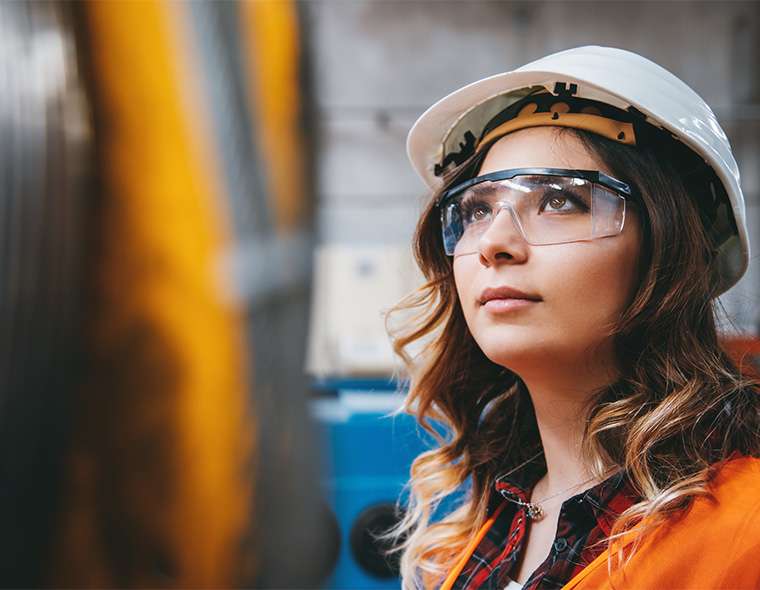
535 512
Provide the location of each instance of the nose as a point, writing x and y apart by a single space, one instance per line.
503 240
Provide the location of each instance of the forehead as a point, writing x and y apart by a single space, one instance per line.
544 147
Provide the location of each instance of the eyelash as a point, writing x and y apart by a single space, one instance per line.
572 197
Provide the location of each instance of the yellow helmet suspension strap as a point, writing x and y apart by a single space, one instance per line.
560 115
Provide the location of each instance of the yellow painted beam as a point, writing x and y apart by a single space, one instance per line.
270 35
158 488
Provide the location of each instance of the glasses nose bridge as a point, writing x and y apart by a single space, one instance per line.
506 207
510 198
504 204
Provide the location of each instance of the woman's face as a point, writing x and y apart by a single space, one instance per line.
582 287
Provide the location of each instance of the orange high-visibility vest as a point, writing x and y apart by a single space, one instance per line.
714 545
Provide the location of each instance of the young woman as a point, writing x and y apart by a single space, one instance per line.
586 213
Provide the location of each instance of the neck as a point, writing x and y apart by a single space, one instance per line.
561 402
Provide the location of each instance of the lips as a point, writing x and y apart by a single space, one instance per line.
502 293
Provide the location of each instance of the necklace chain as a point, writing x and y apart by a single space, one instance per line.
577 485
534 509
523 464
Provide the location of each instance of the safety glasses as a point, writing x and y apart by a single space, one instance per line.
546 205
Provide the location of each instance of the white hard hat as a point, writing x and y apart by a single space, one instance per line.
613 76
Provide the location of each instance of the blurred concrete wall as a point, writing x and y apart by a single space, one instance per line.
378 64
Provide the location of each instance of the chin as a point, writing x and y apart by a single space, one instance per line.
515 353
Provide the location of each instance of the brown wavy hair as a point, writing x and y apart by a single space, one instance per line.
679 406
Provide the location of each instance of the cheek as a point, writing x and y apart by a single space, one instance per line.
465 275
594 287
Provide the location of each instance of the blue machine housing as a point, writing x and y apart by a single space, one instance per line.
367 454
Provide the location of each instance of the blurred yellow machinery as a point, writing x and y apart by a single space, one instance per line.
133 420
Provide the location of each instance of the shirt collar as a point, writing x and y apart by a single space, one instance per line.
520 481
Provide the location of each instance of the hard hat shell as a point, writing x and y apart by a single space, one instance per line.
614 76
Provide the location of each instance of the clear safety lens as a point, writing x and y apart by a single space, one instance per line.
544 209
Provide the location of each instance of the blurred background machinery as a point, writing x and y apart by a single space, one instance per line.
43 174
366 458
206 211
150 229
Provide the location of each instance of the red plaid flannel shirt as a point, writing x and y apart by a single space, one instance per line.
584 519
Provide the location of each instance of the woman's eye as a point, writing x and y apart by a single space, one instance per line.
475 212
561 203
